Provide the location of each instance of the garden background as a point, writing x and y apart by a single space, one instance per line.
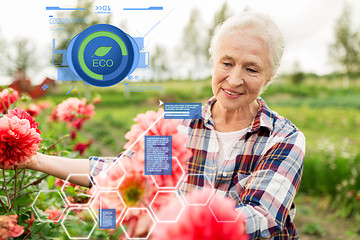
325 107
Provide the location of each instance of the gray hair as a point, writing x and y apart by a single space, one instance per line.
259 23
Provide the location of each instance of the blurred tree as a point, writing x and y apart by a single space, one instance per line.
2 49
192 45
345 51
219 17
72 29
159 63
298 76
20 55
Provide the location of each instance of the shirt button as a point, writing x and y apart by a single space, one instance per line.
224 174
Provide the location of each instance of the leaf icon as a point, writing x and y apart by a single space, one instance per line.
101 51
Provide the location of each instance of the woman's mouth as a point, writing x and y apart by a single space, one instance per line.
231 94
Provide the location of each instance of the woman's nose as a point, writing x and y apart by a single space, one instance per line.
236 77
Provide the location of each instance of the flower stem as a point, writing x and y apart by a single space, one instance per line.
25 193
3 205
5 185
34 182
23 177
5 108
27 235
71 126
61 139
22 170
13 203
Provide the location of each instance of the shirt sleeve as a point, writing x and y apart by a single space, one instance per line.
271 188
98 164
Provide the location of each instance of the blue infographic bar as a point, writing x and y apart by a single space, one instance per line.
182 110
158 155
107 218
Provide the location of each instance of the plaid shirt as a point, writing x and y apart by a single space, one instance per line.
261 173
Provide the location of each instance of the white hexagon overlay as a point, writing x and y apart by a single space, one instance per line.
217 218
98 195
174 192
126 152
78 237
135 209
64 186
103 174
45 191
177 184
193 187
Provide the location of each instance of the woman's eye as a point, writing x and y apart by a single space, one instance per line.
227 64
252 70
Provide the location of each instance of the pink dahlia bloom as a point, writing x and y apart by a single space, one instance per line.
96 99
59 183
81 147
30 221
164 127
54 115
54 214
7 98
33 109
75 111
135 189
19 137
21 114
198 222
44 105
9 227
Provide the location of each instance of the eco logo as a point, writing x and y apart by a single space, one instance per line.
103 55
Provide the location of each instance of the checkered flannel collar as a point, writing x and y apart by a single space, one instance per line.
263 118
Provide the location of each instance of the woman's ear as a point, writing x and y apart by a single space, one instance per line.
268 80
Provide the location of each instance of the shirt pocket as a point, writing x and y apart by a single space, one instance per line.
239 186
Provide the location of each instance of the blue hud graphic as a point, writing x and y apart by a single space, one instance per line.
103 55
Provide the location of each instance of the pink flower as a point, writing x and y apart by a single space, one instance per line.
54 214
75 111
44 105
81 147
30 221
19 137
21 114
164 127
59 183
7 98
33 109
73 134
198 222
9 227
54 115
96 99
135 189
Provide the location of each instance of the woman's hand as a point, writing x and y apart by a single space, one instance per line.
60 167
29 164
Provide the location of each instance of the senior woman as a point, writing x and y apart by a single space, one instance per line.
248 151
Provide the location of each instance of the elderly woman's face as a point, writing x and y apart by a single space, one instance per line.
242 67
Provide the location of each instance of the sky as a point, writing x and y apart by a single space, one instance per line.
307 25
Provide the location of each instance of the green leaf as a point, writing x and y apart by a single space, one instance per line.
41 213
101 51
23 200
4 199
38 226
